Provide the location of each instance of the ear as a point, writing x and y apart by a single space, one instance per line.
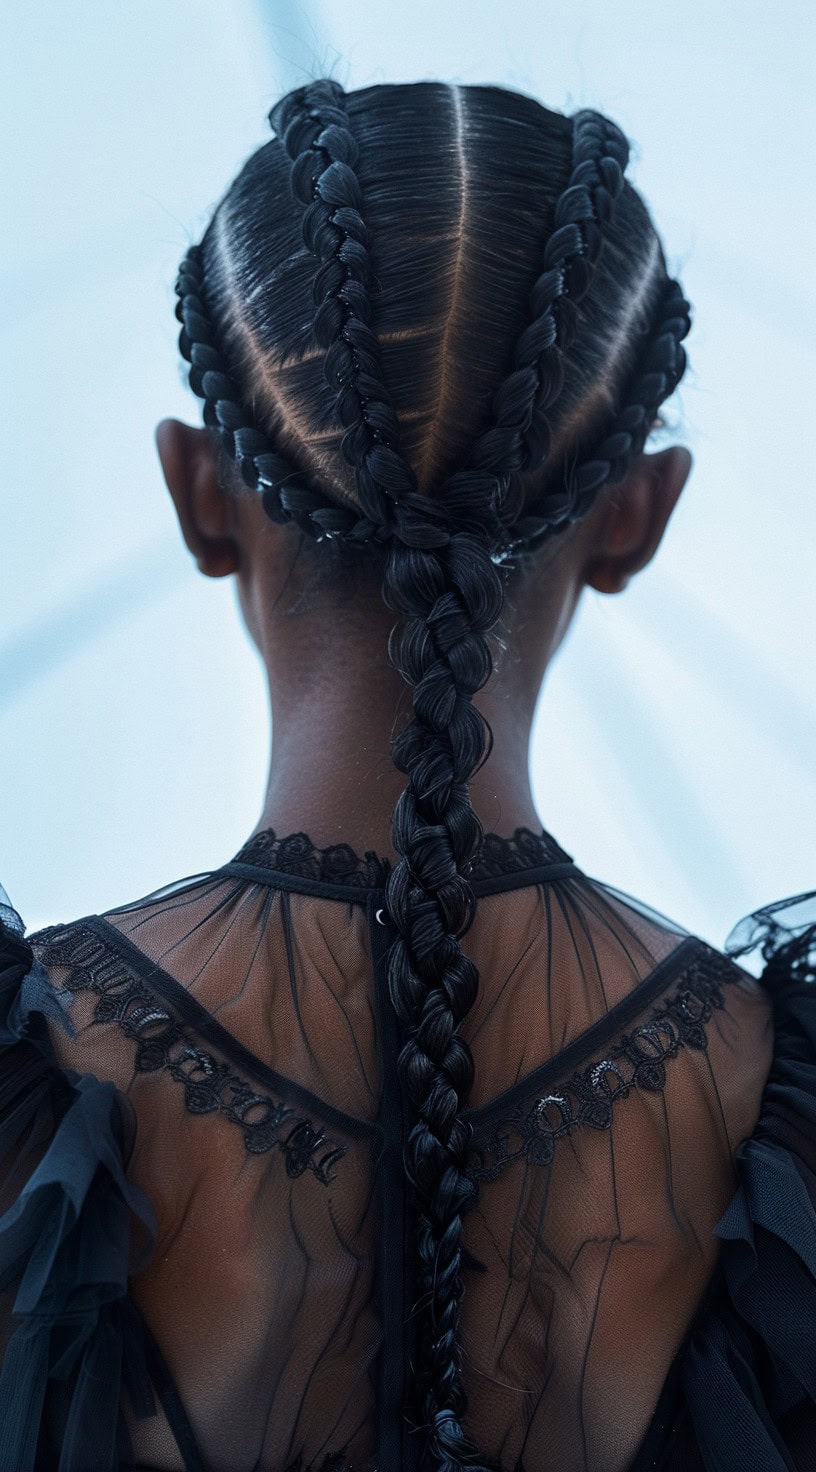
634 518
205 512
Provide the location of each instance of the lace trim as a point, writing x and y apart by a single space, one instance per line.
338 863
162 1042
638 1061
529 1132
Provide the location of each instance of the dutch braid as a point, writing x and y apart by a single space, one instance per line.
519 436
288 494
313 127
655 377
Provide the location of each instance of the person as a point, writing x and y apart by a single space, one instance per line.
397 1141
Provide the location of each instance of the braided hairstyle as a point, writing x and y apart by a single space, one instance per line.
429 324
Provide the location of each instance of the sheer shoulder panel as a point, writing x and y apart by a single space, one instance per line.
603 1173
261 1291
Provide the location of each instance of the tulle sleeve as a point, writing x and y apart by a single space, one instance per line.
749 1370
72 1229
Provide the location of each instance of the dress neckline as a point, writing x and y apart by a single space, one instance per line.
295 854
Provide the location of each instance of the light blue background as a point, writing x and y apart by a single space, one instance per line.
673 750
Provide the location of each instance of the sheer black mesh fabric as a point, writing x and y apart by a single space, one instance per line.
619 1064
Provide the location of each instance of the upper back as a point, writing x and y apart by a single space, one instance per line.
618 1064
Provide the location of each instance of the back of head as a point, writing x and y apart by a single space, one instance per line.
429 324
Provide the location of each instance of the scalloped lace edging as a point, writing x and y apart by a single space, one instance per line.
339 863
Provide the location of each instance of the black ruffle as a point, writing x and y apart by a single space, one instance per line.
749 1364
76 1230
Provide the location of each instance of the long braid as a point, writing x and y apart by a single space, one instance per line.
442 580
445 654
450 605
444 585
450 597
450 600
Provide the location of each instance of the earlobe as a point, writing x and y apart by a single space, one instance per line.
635 518
204 512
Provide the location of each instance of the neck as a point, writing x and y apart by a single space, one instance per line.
331 774
337 702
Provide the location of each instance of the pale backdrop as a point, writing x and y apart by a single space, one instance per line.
673 750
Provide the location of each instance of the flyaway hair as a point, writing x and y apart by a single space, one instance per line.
433 322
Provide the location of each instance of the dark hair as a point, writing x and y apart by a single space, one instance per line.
433 322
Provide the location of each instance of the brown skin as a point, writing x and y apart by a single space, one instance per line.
336 700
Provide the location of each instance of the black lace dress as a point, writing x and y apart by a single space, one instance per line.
205 1258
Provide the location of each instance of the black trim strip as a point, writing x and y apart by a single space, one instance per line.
192 1012
299 884
359 893
522 878
391 1250
172 1404
593 1038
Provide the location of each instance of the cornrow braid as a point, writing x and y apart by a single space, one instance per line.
600 153
288 494
519 435
656 375
313 127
